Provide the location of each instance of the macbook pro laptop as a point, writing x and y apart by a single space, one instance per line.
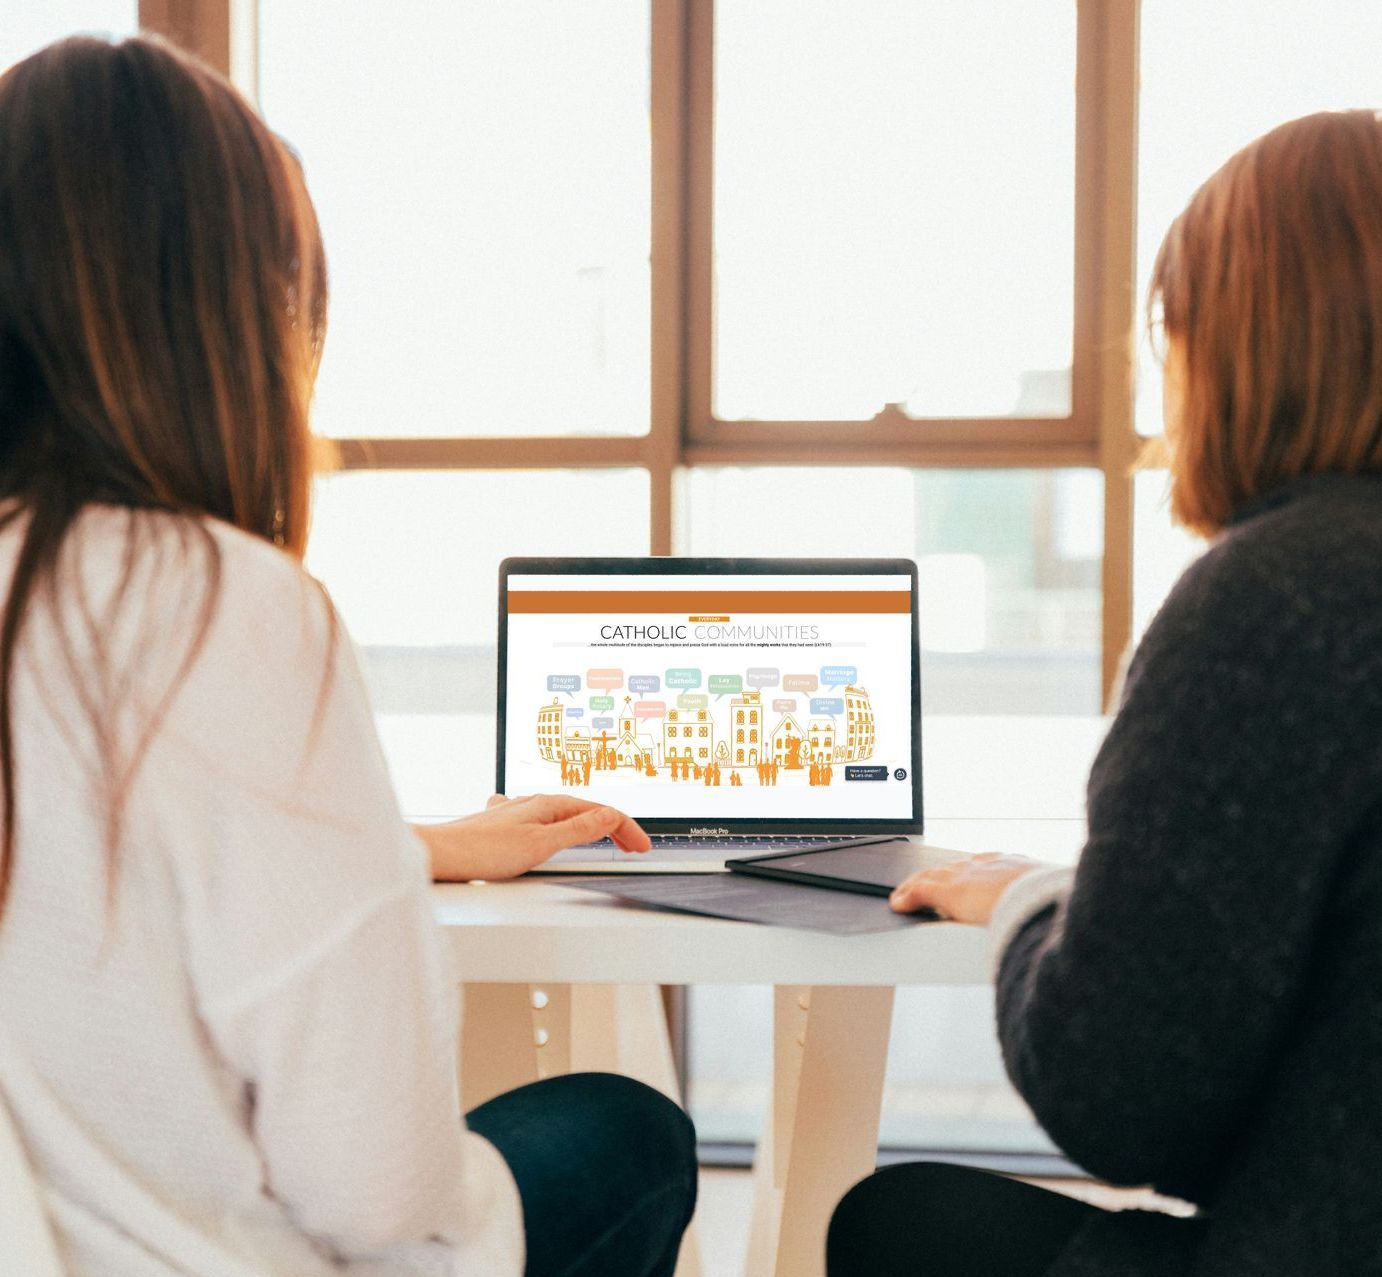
732 706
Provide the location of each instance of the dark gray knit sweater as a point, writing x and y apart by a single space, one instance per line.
1204 1013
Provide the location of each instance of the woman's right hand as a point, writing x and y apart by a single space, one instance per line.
514 835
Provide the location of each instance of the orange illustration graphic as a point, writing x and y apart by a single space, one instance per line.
688 744
549 728
746 718
688 734
821 734
633 749
859 738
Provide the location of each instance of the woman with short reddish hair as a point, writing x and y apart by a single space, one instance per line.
1198 1006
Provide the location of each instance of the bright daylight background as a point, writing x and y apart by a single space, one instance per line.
894 224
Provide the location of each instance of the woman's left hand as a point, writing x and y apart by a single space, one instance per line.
963 890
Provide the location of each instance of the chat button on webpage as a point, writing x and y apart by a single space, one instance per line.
866 773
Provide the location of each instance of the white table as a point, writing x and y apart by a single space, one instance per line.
560 980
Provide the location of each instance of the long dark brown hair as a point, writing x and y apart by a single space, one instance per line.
162 307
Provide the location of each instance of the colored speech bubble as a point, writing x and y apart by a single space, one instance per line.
800 683
567 683
649 709
606 679
693 700
575 712
723 684
602 702
833 676
639 684
785 705
760 677
827 705
683 678
601 724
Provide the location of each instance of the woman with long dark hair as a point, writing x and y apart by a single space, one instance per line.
1199 1005
225 1033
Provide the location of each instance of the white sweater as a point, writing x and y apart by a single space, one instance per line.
237 1055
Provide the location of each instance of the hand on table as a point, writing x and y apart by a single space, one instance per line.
963 890
514 835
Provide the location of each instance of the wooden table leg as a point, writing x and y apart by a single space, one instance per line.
498 1050
822 1134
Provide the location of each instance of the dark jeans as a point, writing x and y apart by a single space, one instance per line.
606 1168
926 1218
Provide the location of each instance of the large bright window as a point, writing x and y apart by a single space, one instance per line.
894 209
1216 76
482 177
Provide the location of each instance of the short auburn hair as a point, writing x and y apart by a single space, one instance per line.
1270 288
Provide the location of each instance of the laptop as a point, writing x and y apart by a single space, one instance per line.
733 707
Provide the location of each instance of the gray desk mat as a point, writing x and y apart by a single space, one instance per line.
762 900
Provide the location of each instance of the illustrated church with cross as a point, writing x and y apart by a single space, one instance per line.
633 749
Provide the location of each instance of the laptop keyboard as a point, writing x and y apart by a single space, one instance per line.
694 849
735 842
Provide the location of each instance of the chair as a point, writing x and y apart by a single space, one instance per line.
26 1240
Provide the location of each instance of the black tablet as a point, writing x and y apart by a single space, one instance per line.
873 869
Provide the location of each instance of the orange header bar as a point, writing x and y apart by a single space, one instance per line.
710 602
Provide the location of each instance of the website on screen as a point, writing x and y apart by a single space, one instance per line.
718 697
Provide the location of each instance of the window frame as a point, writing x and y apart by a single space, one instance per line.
1098 433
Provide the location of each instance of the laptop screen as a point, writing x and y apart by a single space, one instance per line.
713 699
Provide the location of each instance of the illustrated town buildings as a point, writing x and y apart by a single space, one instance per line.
634 748
549 732
859 739
822 740
786 743
690 734
746 727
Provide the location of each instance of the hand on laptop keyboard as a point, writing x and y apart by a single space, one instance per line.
512 836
